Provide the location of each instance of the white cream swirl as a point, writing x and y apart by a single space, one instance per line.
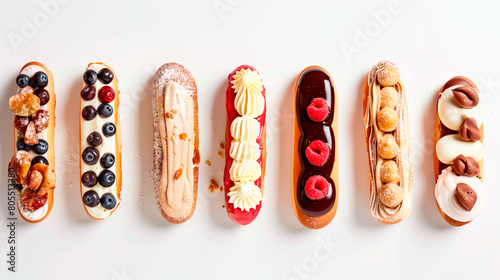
445 195
245 128
247 171
248 87
451 146
244 150
452 115
245 195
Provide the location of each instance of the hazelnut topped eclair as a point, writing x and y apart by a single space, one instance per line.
459 152
385 115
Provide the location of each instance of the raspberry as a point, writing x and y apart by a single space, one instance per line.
106 94
317 153
318 110
317 187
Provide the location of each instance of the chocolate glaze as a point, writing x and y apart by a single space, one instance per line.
315 83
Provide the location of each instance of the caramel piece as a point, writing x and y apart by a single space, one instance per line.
387 147
24 104
469 131
35 180
387 119
178 174
465 166
466 97
466 196
391 195
388 76
182 136
21 123
30 136
389 172
389 97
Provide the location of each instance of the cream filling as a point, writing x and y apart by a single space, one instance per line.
108 146
451 146
378 209
245 170
452 115
39 213
179 122
445 195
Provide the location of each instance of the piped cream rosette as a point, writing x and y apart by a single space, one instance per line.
245 151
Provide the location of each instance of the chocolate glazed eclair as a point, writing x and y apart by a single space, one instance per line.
315 158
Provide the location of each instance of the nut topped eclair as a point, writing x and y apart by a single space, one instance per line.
385 114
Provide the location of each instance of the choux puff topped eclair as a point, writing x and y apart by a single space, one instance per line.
245 141
315 181
459 152
100 141
388 144
176 141
32 165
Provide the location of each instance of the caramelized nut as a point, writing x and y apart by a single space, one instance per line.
389 97
35 180
391 195
49 177
466 97
30 136
466 196
178 174
387 147
27 89
389 172
21 162
20 123
387 119
388 76
24 104
469 131
41 119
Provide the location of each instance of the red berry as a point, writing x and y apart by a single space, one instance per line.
106 94
318 110
317 153
316 187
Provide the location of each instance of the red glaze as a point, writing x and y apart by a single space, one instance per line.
237 215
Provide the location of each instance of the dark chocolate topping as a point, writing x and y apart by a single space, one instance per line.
315 83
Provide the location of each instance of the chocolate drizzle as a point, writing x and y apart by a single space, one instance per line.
315 83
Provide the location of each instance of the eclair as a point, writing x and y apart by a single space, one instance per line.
176 142
245 144
100 142
459 152
315 176
385 115
33 163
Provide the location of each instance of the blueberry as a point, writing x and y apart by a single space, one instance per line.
89 179
88 93
40 79
39 159
91 199
108 129
22 80
90 155
89 113
42 147
43 94
108 201
107 160
90 77
23 147
105 76
106 178
105 110
94 139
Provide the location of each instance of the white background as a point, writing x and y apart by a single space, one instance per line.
430 41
